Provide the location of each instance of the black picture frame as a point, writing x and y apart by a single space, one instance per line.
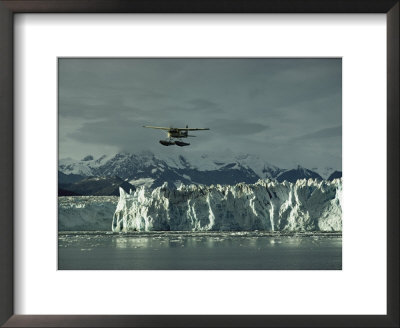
10 7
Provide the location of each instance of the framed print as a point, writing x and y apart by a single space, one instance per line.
199 204
100 204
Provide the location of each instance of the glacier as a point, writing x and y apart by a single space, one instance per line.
86 213
267 205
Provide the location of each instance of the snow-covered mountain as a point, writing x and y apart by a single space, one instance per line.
86 166
146 169
335 175
297 174
324 172
307 205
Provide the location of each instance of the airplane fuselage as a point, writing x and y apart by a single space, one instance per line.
175 133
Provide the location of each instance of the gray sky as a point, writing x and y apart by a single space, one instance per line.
288 111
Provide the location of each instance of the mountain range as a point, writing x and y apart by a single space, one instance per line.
104 175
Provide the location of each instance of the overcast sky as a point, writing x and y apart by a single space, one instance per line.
288 111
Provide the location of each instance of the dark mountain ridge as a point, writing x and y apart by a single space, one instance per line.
95 186
297 174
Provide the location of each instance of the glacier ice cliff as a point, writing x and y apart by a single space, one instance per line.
86 213
307 205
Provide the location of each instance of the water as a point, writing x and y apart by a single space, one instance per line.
199 251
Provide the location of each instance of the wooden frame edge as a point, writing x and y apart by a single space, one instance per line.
6 164
9 7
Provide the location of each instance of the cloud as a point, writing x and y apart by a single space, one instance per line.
236 127
116 131
259 106
323 133
202 104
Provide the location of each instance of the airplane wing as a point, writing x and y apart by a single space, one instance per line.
192 129
157 127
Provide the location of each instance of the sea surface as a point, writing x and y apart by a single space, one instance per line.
177 250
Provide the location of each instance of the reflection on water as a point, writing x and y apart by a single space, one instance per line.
200 250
